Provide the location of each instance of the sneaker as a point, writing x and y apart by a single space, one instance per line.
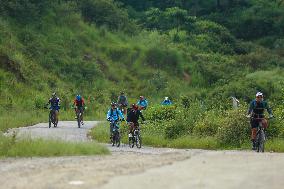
82 122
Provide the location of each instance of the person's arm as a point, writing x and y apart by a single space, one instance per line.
108 115
59 103
126 101
268 109
250 108
121 114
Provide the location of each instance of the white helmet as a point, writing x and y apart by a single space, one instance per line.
166 98
258 94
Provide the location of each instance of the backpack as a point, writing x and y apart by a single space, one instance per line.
111 112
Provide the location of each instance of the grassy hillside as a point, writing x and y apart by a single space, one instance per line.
193 53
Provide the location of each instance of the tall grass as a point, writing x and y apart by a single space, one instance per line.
47 148
100 133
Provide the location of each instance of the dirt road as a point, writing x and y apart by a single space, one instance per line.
140 168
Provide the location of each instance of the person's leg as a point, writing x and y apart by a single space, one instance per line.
254 124
131 129
82 112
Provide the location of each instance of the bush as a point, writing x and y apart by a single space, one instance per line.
106 13
175 129
39 102
161 113
208 125
167 59
235 129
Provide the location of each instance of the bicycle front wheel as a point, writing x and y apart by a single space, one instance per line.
138 141
261 141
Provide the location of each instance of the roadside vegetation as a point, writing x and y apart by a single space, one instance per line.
12 147
197 127
198 53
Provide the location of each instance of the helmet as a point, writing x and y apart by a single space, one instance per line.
258 94
78 97
141 97
166 98
113 104
122 93
53 94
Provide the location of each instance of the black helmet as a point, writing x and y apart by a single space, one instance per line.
113 104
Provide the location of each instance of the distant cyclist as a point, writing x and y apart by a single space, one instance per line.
54 103
114 114
79 104
142 103
256 112
122 102
167 101
133 116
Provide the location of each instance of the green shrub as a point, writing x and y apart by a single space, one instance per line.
209 124
164 58
235 130
161 113
175 129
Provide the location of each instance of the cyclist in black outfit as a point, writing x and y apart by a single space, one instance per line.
133 115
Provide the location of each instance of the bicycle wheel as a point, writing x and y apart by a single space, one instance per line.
138 141
117 139
131 141
79 120
49 120
113 139
261 140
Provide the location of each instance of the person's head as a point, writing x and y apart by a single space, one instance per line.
113 105
134 107
166 98
53 95
78 97
141 97
122 93
259 96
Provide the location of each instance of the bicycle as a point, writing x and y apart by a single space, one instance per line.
52 118
115 133
260 134
135 138
79 116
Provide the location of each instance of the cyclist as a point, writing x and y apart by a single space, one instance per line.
54 102
133 116
122 102
142 103
114 114
167 101
256 113
79 104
